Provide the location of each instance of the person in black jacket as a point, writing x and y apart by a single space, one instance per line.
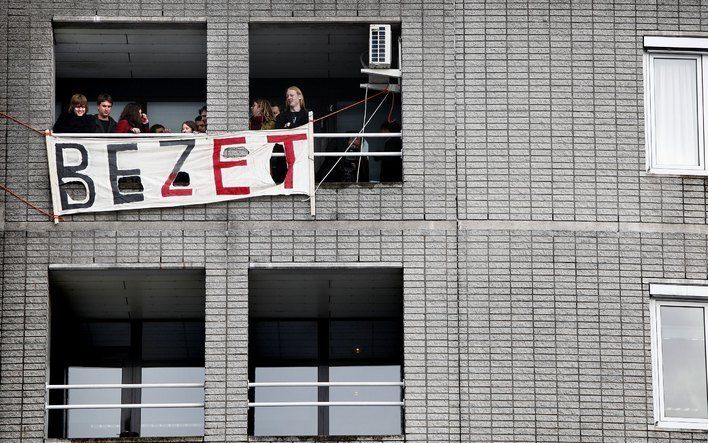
296 115
75 120
103 120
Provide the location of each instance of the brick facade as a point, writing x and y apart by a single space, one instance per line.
527 227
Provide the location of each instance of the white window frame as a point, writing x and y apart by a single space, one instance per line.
677 295
678 48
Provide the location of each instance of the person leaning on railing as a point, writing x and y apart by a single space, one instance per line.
296 115
75 120
132 119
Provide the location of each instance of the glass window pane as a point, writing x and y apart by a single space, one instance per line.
365 339
683 362
93 423
299 420
283 340
676 113
172 422
365 420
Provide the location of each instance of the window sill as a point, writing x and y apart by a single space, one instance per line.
369 185
329 438
676 427
127 440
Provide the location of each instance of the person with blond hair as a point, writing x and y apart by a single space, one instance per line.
75 120
261 115
296 114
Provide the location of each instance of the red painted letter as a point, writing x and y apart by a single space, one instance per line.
287 141
219 165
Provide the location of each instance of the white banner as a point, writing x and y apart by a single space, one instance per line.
114 172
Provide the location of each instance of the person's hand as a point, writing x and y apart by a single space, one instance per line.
135 130
47 132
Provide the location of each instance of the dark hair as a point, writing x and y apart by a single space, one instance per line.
131 112
191 125
103 97
155 127
198 118
203 108
392 126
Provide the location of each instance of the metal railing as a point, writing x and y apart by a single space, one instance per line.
126 405
324 384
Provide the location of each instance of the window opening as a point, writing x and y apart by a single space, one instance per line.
126 337
679 324
325 352
161 67
330 64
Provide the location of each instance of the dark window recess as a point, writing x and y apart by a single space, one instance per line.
329 76
126 326
325 326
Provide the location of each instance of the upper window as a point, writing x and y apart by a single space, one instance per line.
348 75
159 66
679 339
676 79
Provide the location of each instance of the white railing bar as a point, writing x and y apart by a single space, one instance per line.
127 405
324 403
323 383
356 134
346 154
357 154
127 385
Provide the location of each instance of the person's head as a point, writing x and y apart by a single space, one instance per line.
157 129
392 126
201 125
294 99
189 127
354 143
261 107
105 104
133 113
78 105
203 113
275 109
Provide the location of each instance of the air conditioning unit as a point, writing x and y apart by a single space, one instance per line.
379 46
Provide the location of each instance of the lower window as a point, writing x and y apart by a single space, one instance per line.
325 352
679 360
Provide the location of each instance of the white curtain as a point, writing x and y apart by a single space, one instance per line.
676 112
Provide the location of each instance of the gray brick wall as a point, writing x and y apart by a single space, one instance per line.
526 226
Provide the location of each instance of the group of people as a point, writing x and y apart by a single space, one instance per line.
267 116
263 116
132 120
345 169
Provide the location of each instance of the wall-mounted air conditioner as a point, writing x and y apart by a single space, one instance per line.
379 46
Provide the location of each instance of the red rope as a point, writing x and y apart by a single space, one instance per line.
350 106
51 216
9 117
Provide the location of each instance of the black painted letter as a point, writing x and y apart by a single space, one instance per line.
69 174
113 173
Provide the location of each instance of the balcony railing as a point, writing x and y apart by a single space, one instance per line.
126 405
324 403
